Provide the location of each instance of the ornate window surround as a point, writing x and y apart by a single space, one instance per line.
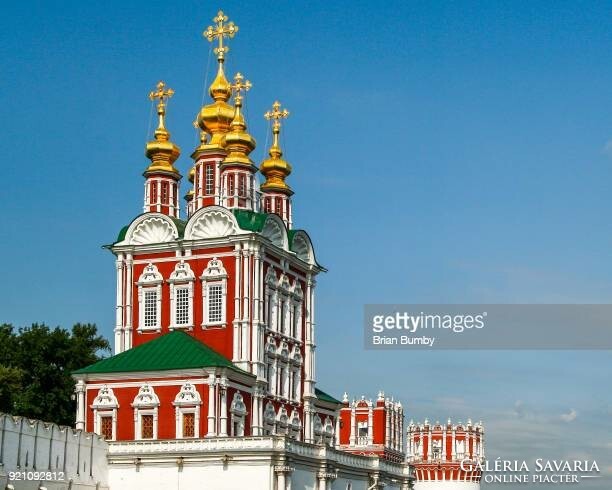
146 402
239 411
150 279
104 405
269 418
181 277
214 275
187 400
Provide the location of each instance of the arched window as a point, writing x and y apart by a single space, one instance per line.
238 411
270 365
187 411
181 296
270 306
328 431
149 298
146 407
214 294
105 407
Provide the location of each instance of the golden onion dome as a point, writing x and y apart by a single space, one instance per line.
161 151
216 118
238 142
275 169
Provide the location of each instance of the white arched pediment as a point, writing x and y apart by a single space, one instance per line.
188 395
211 222
146 397
302 247
151 228
105 398
275 231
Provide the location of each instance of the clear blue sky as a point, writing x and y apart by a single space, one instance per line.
442 152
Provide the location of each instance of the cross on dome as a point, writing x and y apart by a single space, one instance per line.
220 31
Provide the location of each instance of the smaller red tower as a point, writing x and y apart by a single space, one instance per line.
162 178
446 453
372 428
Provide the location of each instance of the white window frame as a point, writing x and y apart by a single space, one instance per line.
214 275
209 179
187 400
105 405
149 280
146 402
181 278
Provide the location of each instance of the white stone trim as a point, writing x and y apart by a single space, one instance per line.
214 275
181 278
149 280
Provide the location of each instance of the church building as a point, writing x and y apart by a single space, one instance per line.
213 379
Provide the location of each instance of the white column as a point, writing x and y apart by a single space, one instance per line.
129 267
80 413
454 446
246 297
159 186
280 480
119 308
212 406
223 414
256 328
237 316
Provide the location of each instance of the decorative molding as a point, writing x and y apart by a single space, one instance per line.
211 222
275 231
188 395
151 228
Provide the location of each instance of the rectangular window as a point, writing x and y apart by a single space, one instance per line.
146 427
210 180
230 185
241 186
215 303
150 308
153 192
189 425
182 305
106 427
278 203
267 205
164 192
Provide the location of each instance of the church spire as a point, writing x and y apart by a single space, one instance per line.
276 192
161 186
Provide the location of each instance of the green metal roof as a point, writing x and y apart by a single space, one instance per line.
250 220
321 395
174 350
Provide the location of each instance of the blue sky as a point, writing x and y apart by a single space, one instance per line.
442 152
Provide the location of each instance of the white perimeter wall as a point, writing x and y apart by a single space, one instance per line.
33 446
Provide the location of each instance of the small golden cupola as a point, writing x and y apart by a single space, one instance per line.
216 118
276 194
161 151
238 142
161 189
275 169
